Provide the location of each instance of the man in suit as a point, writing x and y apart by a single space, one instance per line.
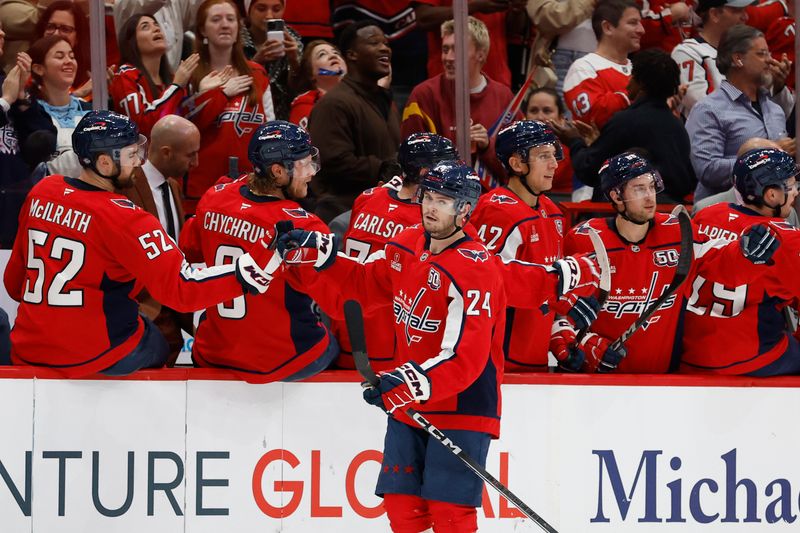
174 145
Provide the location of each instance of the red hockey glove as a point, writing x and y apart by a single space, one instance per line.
405 384
562 346
598 350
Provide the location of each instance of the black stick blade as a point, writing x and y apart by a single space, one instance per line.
355 327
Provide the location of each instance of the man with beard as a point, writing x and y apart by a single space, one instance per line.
82 250
448 297
739 109
357 125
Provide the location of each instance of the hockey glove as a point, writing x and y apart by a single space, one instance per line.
582 313
251 276
562 346
405 384
759 243
308 247
599 350
578 275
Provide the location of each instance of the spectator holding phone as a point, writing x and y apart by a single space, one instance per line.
275 45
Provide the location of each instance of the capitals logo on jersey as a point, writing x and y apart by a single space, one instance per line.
503 199
475 255
298 212
244 120
405 312
127 204
583 229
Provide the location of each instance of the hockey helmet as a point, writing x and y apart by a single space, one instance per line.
519 137
759 169
454 179
280 142
105 132
622 168
423 150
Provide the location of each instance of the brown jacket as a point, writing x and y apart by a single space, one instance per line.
168 321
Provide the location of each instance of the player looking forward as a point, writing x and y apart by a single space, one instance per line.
82 251
447 295
378 215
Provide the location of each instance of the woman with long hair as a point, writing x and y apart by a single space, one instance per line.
321 69
53 70
66 19
232 100
144 88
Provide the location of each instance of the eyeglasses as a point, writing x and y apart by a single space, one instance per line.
59 28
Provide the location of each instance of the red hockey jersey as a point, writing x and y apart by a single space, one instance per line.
232 334
226 125
595 88
780 38
378 215
131 96
80 255
737 329
512 229
302 106
640 274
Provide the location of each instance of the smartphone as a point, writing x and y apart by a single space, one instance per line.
275 29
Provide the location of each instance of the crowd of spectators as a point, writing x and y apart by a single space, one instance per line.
684 84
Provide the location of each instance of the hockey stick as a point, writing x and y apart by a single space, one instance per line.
681 272
355 327
605 276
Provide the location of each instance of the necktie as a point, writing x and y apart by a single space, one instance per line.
165 196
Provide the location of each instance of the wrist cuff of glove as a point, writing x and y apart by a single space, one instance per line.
416 379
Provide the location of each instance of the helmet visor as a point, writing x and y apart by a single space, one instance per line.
310 164
642 187
133 155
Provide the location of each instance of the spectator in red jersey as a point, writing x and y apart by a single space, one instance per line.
780 35
144 87
596 84
321 69
278 57
431 105
544 104
311 18
356 126
230 104
66 19
432 13
664 23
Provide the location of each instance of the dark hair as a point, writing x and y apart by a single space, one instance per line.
349 34
656 72
736 40
38 51
129 52
238 59
562 109
303 79
611 11
81 49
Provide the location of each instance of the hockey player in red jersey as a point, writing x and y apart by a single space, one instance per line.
643 249
448 298
82 252
519 222
230 218
379 214
740 329
595 86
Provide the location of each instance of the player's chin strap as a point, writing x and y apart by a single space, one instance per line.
524 181
776 209
114 178
456 230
